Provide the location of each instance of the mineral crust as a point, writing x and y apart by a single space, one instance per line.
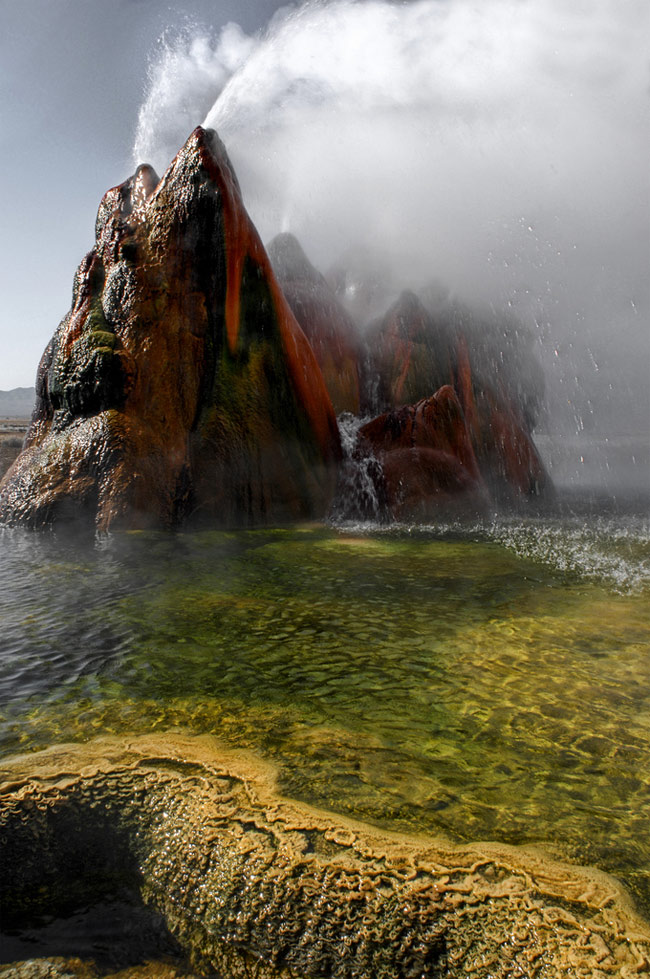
254 885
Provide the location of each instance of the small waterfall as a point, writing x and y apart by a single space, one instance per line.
361 491
493 152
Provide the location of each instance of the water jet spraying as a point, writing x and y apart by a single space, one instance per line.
394 608
497 149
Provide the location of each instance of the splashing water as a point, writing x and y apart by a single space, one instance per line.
497 147
585 545
360 480
603 549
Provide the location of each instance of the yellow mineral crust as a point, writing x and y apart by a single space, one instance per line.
256 885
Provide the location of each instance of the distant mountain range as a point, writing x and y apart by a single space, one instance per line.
17 403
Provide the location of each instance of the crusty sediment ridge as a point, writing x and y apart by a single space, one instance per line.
256 885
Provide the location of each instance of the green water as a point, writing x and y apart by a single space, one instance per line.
457 683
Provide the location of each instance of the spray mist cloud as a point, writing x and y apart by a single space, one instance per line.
498 147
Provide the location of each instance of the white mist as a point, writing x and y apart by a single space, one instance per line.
499 147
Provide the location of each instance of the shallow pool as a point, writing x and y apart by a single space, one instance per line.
477 682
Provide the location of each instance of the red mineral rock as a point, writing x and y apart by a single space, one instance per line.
504 447
410 352
180 386
329 329
428 462
495 377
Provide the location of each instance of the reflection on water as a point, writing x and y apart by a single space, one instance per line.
490 682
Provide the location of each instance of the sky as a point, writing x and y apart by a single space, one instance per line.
494 150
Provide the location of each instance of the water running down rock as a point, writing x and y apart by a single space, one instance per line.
330 330
181 389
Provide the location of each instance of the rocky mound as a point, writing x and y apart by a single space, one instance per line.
427 459
253 885
490 367
179 386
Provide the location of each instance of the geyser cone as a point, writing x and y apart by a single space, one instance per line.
497 147
180 384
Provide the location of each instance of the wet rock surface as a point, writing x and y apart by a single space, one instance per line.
427 458
500 433
498 388
179 386
59 967
411 352
331 332
251 884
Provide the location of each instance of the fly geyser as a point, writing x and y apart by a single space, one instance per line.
181 388
179 385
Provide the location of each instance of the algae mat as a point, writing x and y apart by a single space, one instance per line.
253 884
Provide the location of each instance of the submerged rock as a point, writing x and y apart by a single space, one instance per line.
328 327
180 385
251 884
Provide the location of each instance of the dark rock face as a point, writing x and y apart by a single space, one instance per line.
329 329
427 458
498 387
500 434
179 386
411 353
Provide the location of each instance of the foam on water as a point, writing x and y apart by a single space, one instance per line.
604 549
612 550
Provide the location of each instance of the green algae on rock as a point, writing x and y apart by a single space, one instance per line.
252 884
180 385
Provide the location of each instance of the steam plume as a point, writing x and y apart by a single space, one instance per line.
499 147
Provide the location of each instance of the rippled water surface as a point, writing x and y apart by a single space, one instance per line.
489 682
